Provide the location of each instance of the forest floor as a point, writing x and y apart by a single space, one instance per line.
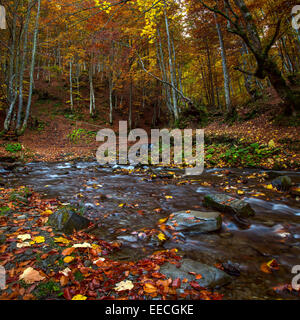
55 133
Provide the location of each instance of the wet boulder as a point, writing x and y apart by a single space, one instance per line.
282 183
195 221
211 276
225 203
67 220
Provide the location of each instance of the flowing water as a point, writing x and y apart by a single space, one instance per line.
274 233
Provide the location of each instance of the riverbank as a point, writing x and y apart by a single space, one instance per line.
131 236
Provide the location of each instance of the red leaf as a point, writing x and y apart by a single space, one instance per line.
195 285
67 294
176 283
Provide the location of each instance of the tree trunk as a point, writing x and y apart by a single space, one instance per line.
290 99
225 68
71 85
21 76
175 109
35 35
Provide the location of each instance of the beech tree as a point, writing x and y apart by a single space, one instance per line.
242 23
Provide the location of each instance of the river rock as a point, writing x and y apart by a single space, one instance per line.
128 238
10 166
67 220
282 183
195 221
225 203
211 276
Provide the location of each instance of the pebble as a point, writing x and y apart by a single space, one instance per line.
87 263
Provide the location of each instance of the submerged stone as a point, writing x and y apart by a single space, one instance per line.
211 276
195 221
225 203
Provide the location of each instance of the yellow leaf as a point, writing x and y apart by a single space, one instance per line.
161 221
39 239
68 259
79 297
61 240
46 212
161 236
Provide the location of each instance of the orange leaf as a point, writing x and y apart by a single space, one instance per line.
149 288
67 251
264 268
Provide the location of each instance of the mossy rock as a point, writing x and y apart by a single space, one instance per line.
282 183
67 220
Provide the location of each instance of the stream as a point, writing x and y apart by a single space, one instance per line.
125 203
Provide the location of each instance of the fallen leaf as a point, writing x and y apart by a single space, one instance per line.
68 259
24 237
67 251
82 245
161 236
149 288
31 275
39 239
79 297
61 240
124 285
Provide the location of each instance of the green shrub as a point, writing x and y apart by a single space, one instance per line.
13 147
44 290
81 134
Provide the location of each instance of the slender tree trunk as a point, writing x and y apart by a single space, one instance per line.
110 99
18 125
225 68
71 84
11 90
130 106
35 35
175 109
210 77
92 94
160 58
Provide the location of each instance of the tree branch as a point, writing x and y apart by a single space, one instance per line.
244 71
273 39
